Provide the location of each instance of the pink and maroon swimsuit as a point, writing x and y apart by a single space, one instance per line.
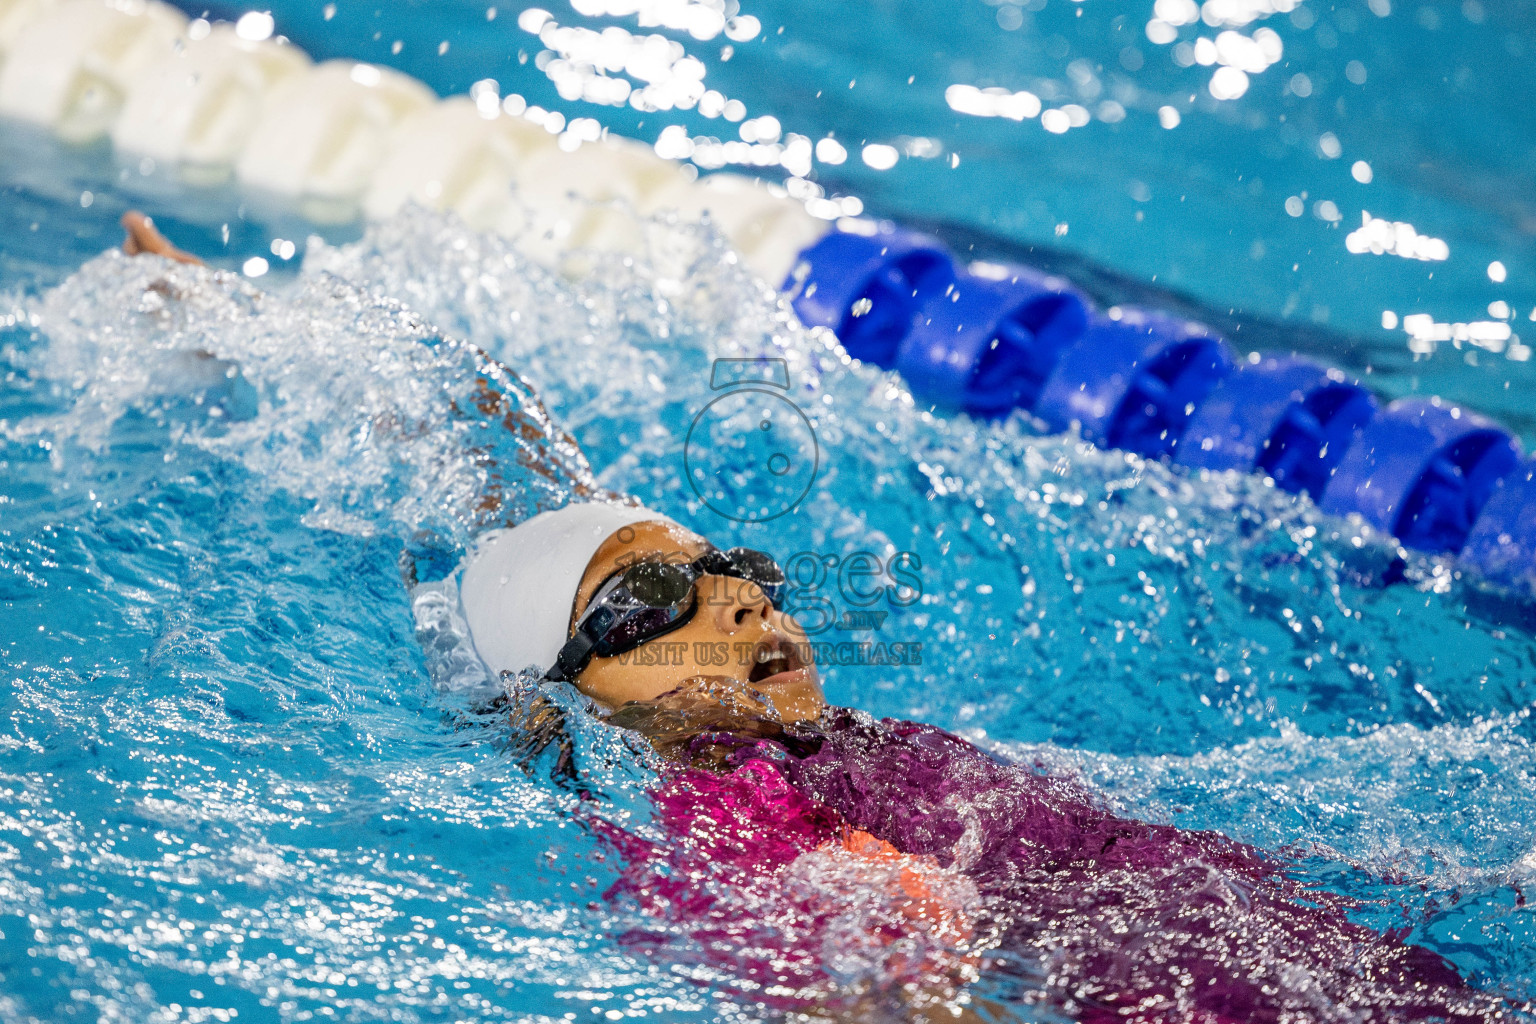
792 876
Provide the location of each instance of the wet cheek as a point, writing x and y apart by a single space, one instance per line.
698 649
616 686
710 651
703 630
704 655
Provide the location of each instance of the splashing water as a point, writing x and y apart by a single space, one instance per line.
327 393
244 771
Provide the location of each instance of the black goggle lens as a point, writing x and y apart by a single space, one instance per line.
667 585
760 568
635 629
657 584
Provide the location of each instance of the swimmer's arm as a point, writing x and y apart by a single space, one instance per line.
528 419
934 902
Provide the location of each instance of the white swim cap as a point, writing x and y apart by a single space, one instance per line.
519 585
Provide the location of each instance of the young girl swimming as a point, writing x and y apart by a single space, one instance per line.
830 824
820 862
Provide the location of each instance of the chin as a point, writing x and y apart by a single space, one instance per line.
796 693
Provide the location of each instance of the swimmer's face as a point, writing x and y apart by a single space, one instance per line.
733 629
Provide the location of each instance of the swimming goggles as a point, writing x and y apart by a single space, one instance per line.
649 599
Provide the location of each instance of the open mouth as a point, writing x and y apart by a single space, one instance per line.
774 656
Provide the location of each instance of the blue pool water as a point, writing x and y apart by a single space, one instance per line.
237 778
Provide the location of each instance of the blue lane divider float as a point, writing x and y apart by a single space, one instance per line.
988 345
1133 382
1284 416
1437 477
1503 540
1422 472
869 289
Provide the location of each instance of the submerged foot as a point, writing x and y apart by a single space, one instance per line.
144 237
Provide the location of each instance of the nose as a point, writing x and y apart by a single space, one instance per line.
735 602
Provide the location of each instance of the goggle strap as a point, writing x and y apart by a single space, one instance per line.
573 655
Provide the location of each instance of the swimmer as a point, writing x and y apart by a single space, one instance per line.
948 852
825 864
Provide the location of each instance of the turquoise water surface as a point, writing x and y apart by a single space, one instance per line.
240 776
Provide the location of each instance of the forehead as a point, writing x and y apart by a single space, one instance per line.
642 542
